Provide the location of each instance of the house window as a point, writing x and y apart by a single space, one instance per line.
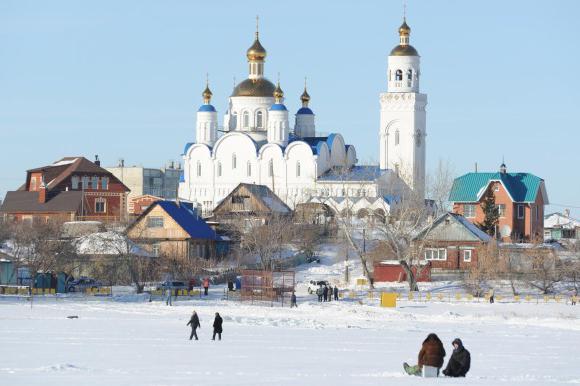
234 161
154 222
249 169
104 183
100 205
409 74
246 119
469 210
501 210
439 254
521 211
33 184
219 169
496 188
399 75
467 255
199 169
259 119
75 182
94 182
85 182
271 168
298 169
397 137
156 249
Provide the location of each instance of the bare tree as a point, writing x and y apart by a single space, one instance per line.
485 269
439 184
545 270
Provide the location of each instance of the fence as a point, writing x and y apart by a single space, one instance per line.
26 291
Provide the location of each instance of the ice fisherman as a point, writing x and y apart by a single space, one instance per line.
168 291
574 296
335 292
293 300
491 296
460 360
325 293
217 326
319 292
330 293
205 285
431 354
194 323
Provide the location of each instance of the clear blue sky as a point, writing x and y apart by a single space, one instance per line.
124 78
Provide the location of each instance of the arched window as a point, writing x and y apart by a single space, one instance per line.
259 119
249 169
234 161
199 169
270 168
397 137
246 120
409 74
297 168
399 75
219 169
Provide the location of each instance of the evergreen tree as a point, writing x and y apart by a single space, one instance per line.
491 213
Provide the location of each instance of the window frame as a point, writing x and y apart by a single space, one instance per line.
399 75
465 252
432 251
472 211
101 201
105 183
259 119
521 208
500 212
246 120
155 222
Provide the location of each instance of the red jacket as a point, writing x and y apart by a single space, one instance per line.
432 352
205 283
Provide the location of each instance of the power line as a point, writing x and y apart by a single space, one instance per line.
564 206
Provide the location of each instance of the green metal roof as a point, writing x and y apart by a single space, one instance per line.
522 187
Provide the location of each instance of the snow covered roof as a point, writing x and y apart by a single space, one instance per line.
354 174
559 220
107 243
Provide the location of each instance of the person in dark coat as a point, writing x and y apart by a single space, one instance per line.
459 362
293 300
319 292
431 354
330 292
325 293
194 323
217 326
335 292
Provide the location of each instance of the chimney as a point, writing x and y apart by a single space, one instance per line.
503 168
97 162
42 192
476 167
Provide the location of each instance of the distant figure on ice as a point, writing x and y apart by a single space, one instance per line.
431 354
194 323
325 293
335 292
168 298
319 292
574 296
217 326
491 295
330 293
293 300
205 285
459 362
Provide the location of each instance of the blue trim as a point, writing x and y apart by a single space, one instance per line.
305 111
206 108
181 176
330 140
187 146
278 107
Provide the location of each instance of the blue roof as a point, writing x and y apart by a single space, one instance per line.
356 173
206 108
315 143
186 217
330 140
522 187
305 110
187 146
278 107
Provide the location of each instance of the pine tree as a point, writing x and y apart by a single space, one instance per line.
491 213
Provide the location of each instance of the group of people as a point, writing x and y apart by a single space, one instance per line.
195 324
326 293
432 354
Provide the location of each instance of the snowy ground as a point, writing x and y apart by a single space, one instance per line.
338 343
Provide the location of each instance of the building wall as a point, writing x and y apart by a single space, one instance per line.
455 254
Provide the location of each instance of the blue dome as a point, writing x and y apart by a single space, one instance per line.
278 107
206 108
305 110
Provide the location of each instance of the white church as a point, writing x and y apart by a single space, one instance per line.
259 145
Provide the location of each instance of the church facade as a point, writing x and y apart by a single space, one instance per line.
259 145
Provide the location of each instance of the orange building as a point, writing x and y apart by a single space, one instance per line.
519 197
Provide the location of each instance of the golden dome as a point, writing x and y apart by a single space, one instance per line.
278 93
404 29
207 94
260 87
256 52
305 97
404 50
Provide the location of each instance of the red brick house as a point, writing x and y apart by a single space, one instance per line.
72 188
139 204
520 198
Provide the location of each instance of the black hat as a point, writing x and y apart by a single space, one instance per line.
458 342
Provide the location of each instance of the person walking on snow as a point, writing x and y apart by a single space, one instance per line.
574 296
335 292
325 293
194 323
217 326
319 292
168 299
293 300
205 285
329 293
431 354
491 295
459 362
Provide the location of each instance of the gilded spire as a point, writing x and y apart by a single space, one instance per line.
278 93
256 53
207 94
305 97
